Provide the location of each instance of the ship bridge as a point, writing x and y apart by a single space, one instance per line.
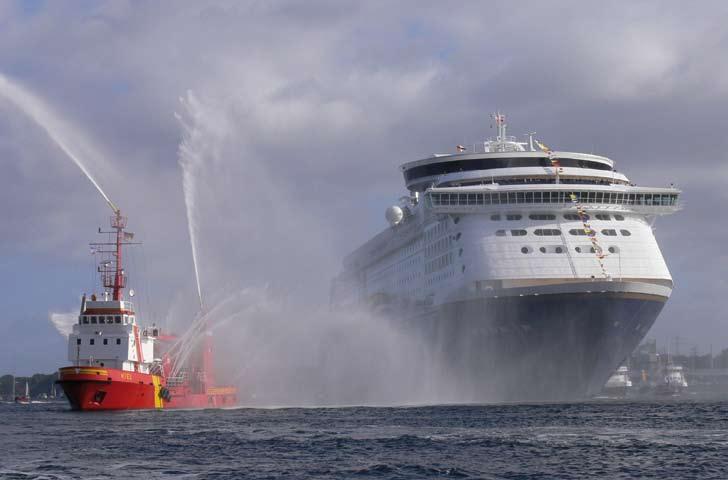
506 161
512 167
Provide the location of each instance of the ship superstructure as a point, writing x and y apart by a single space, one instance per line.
515 258
117 364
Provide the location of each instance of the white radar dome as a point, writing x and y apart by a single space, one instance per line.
394 215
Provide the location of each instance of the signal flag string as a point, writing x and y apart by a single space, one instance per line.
590 233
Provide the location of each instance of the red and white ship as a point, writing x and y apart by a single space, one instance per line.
119 365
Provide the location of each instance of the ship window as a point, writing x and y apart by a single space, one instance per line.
542 216
500 233
457 237
518 233
542 249
619 217
613 250
117 319
495 217
106 341
609 232
571 216
525 250
85 320
547 232
603 216
577 231
118 341
578 249
456 220
91 341
109 319
78 341
514 216
625 233
559 250
93 319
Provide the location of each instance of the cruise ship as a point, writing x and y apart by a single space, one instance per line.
529 273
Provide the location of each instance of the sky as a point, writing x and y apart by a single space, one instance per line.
293 117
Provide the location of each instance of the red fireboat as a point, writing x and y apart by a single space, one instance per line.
118 365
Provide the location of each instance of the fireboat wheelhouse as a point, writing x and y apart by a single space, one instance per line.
118 365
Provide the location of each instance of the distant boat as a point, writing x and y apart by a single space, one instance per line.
22 399
674 382
619 383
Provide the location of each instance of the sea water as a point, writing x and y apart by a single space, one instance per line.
670 439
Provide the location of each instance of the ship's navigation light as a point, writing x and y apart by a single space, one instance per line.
132 292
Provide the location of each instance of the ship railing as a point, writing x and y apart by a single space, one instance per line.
657 203
176 381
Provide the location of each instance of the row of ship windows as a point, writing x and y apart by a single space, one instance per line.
437 247
109 319
505 198
439 278
92 341
436 231
439 263
554 232
549 216
562 249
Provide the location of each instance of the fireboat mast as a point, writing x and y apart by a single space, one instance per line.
111 269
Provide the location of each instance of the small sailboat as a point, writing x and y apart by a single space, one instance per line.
23 399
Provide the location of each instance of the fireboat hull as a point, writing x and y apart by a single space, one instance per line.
90 388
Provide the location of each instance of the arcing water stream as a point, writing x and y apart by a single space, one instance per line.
189 161
58 130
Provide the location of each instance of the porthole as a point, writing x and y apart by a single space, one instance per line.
625 233
603 216
456 220
514 216
500 233
613 249
525 250
619 217
542 249
577 231
547 232
559 250
518 233
495 218
578 249
609 232
542 216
